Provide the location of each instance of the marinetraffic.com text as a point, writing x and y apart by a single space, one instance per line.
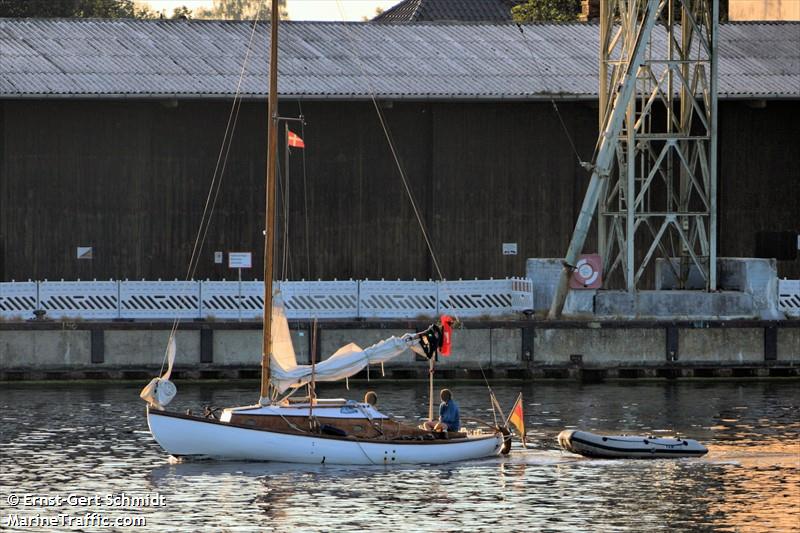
78 511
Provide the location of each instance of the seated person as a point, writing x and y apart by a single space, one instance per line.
449 416
371 398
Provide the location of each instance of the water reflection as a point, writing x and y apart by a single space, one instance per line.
85 439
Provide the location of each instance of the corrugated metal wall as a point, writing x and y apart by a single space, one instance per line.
131 179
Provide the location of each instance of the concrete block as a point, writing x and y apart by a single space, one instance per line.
599 346
146 348
580 303
45 349
543 272
730 275
674 305
721 345
666 279
754 276
506 347
761 281
789 344
615 304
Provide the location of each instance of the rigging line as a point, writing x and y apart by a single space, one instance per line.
280 212
392 148
581 162
406 185
218 186
227 140
569 137
285 175
215 186
491 396
305 200
305 191
283 184
216 180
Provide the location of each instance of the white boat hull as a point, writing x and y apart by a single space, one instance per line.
185 436
624 446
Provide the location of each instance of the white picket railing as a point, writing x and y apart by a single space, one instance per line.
397 299
484 297
320 299
153 300
18 299
789 297
232 300
228 300
80 299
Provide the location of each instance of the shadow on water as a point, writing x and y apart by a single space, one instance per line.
93 439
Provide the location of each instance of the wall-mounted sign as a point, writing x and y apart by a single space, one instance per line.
218 258
240 260
509 248
85 252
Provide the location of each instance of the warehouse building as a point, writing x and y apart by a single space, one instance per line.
110 133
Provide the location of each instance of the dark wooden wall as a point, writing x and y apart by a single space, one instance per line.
131 179
759 176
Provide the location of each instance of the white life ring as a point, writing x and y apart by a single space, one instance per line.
585 272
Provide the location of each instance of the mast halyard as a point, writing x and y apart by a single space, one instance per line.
269 214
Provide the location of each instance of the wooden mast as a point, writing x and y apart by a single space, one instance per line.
269 214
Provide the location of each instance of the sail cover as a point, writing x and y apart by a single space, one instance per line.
347 361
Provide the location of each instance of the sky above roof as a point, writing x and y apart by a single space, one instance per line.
298 9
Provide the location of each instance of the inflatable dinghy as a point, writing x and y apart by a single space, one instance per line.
625 446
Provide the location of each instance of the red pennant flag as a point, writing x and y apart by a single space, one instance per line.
447 335
295 141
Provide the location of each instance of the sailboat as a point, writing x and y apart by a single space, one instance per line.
308 430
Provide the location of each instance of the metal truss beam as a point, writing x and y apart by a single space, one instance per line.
654 171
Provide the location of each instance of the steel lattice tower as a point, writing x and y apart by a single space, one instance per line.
654 180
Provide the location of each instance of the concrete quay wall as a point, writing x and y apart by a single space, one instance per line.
510 349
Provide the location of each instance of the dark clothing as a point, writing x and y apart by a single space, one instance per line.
448 413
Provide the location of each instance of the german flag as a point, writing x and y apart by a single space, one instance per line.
517 419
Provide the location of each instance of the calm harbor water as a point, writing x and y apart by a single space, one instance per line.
92 441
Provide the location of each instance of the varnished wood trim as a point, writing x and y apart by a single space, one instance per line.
170 414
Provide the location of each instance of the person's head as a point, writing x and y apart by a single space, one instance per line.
371 398
446 395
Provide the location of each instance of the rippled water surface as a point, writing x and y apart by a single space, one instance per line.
93 440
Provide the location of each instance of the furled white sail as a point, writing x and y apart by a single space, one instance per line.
347 361
160 391
282 357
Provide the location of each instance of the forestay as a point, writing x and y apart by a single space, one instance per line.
347 361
